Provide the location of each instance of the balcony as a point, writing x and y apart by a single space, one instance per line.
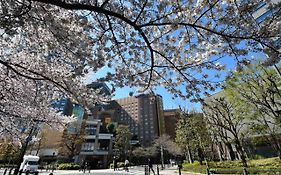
104 136
90 130
90 137
93 122
101 152
84 152
87 148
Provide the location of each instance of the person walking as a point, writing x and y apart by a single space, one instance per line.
114 163
127 165
82 164
150 166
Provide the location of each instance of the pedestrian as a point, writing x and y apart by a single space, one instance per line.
127 165
150 166
83 166
114 163
87 167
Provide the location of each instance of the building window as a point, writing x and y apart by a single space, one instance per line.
88 147
261 18
261 5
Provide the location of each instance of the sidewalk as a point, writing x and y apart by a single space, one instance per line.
175 171
132 171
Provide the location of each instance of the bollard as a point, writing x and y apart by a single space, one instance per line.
207 171
146 170
10 172
157 170
180 167
245 172
5 171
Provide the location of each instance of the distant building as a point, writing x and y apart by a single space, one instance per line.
64 106
143 114
262 11
171 118
104 89
97 148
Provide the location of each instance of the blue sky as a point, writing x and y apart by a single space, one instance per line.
168 101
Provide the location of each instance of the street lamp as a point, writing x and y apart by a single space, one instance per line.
53 167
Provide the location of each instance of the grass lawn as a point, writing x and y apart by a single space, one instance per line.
269 166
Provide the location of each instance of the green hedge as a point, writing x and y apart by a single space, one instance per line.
119 165
68 166
270 166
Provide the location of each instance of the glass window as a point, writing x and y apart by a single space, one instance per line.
260 5
32 163
261 18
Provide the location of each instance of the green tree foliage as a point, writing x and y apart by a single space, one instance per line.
192 136
258 89
111 128
8 152
122 140
226 121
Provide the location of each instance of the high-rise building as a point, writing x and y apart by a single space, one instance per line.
171 118
104 89
143 114
64 106
266 10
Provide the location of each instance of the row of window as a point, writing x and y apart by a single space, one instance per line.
88 147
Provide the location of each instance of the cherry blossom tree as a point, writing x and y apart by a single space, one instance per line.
49 46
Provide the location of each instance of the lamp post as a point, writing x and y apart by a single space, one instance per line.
53 167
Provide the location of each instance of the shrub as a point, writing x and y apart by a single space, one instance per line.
119 165
270 166
68 166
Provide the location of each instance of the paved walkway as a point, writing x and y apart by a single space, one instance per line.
138 170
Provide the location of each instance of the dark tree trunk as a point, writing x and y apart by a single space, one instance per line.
22 152
241 152
230 150
220 151
276 144
200 155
